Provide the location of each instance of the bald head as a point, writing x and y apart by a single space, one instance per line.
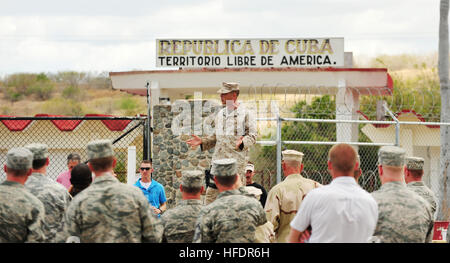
342 158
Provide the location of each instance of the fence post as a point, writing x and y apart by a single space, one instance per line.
278 148
397 134
131 165
397 125
148 131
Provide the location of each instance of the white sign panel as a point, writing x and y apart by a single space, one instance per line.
253 53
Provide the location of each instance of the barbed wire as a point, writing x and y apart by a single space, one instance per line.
320 102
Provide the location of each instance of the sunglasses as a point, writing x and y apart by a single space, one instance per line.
145 168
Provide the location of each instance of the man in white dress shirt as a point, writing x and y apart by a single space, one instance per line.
340 212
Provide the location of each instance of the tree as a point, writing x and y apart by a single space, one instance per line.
315 156
42 87
444 186
70 78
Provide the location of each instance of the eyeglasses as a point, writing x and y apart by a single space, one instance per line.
145 168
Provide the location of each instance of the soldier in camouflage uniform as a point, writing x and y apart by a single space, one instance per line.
233 217
54 196
235 132
21 213
413 179
403 216
109 211
285 198
179 222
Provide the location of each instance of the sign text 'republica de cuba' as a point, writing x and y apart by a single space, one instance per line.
234 53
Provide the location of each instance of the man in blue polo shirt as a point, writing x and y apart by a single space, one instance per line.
153 190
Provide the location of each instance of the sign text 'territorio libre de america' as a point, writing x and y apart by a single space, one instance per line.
233 53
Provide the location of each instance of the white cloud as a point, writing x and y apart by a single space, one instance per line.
64 38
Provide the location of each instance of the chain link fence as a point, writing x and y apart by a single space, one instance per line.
65 135
314 139
310 126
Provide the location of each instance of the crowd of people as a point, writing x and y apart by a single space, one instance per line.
89 204
34 208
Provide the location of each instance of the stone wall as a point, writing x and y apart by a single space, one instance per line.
170 153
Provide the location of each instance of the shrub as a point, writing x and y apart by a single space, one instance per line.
61 106
21 82
11 94
130 105
42 90
71 92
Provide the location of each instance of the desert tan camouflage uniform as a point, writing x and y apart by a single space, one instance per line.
403 216
284 199
232 217
229 127
53 195
21 213
179 222
264 233
109 211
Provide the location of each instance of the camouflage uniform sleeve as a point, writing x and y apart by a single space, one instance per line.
272 209
71 223
250 130
203 232
60 237
164 222
262 218
209 139
448 236
208 142
152 227
434 207
429 238
35 228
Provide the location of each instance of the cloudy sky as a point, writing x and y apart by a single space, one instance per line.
117 35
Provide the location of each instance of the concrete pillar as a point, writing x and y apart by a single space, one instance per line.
155 92
347 105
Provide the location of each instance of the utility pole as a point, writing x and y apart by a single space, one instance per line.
443 68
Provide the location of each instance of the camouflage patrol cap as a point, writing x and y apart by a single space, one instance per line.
292 155
224 167
391 156
414 163
19 158
228 87
192 178
39 150
99 149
